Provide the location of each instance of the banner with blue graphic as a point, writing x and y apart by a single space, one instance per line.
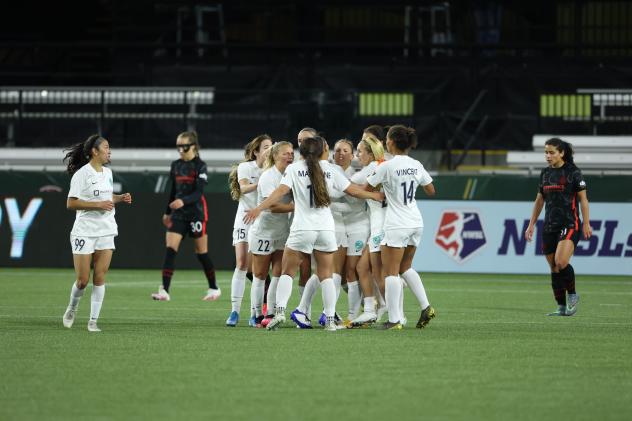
488 237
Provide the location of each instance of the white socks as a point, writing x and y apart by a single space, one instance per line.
354 299
312 285
369 305
337 284
237 286
329 297
257 289
75 296
393 289
284 290
274 281
416 286
96 300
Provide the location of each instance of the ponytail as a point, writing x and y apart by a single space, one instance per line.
80 153
311 150
562 146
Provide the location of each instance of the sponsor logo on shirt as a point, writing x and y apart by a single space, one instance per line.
460 234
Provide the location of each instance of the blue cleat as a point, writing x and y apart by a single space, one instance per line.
252 322
301 319
322 320
233 319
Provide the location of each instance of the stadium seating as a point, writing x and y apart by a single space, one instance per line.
592 152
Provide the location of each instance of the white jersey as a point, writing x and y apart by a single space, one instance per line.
91 186
250 171
400 177
377 210
357 219
271 225
339 204
307 217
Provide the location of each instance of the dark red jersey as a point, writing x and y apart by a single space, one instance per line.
188 179
559 187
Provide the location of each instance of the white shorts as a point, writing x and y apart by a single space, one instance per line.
308 241
402 237
341 238
263 245
375 240
88 245
240 235
356 242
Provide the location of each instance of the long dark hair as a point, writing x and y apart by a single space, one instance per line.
311 150
562 146
80 153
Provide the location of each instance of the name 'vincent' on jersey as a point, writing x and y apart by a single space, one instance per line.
400 177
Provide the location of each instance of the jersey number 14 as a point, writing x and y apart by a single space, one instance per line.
409 192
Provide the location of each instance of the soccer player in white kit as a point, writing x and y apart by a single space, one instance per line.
92 196
269 232
243 187
403 225
312 229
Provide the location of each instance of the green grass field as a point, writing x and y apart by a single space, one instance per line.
491 353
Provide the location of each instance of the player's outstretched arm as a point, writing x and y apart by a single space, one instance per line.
359 192
122 198
276 195
77 204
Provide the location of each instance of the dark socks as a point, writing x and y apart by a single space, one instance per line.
167 267
559 291
209 269
568 276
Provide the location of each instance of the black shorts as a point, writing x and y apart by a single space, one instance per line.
195 229
550 239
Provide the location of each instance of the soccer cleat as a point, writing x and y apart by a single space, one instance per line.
212 294
92 326
571 304
161 295
390 326
233 319
277 321
427 314
69 317
267 320
259 321
330 324
301 319
364 319
322 319
252 322
561 311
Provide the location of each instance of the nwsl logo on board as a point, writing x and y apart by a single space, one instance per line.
460 234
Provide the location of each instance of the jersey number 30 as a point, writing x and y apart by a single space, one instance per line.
409 192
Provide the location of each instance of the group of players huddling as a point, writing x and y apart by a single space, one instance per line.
336 223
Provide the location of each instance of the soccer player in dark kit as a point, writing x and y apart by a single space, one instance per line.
186 213
562 186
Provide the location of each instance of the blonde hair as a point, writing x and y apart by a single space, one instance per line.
274 152
374 146
249 155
